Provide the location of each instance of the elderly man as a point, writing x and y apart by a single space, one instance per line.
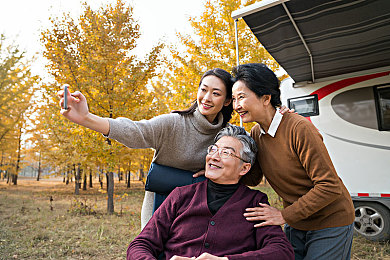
205 220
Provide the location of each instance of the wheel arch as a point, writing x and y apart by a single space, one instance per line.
379 206
383 201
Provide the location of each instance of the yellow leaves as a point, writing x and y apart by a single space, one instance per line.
119 198
102 191
17 86
92 55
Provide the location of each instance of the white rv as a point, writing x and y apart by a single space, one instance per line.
337 54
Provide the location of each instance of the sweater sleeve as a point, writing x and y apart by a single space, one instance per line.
271 242
314 157
141 134
149 244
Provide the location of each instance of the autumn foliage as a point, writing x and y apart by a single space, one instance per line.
95 54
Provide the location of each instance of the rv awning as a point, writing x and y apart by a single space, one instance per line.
322 38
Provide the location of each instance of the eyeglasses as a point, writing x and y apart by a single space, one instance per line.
224 153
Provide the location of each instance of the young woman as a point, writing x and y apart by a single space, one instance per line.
318 210
180 139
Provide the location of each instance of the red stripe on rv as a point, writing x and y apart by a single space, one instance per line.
329 89
363 195
385 195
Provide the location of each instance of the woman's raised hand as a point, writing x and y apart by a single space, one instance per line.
77 111
283 109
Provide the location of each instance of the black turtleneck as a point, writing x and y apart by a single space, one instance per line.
218 194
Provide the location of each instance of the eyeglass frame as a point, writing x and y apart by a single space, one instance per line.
219 150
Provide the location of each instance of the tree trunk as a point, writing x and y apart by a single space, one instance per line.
90 178
141 172
1 165
110 179
67 176
85 181
76 184
128 178
107 181
101 180
110 193
39 167
79 177
15 177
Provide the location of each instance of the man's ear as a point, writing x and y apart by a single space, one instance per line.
245 168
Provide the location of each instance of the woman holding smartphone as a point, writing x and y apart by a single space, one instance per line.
180 139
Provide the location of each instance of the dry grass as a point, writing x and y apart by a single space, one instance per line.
30 229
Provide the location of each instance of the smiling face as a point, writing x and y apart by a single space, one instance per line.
212 97
247 104
229 170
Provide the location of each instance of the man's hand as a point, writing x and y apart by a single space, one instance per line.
269 215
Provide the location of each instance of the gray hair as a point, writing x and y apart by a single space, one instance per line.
249 147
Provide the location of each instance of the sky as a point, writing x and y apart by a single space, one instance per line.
22 20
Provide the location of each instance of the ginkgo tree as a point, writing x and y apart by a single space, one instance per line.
17 86
94 54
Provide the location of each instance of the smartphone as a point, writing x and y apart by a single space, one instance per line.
66 97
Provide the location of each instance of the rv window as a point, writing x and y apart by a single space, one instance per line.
357 106
305 105
382 98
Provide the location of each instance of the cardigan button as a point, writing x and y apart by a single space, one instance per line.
212 222
206 245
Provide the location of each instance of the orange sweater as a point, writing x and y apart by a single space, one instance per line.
297 165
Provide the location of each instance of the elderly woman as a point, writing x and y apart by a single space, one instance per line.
318 209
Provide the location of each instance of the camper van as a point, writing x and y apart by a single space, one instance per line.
337 54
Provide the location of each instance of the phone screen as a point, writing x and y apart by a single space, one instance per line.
66 97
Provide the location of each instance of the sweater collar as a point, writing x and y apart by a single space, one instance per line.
201 123
221 188
274 124
237 195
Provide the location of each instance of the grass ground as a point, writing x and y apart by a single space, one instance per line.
77 227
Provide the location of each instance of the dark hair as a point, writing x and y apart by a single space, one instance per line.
249 147
226 111
260 79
